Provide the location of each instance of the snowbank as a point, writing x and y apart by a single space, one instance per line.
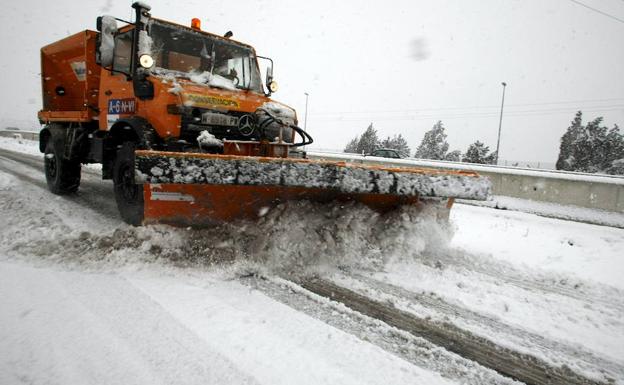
553 210
29 147
587 251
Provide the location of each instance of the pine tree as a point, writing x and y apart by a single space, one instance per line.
614 148
352 145
398 143
617 167
453 156
588 149
491 158
566 160
478 153
369 141
591 147
433 145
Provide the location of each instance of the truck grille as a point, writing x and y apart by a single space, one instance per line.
216 122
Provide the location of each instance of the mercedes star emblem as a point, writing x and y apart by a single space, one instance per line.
246 125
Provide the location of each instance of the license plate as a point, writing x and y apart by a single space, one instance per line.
219 119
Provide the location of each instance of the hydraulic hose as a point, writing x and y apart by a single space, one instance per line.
306 139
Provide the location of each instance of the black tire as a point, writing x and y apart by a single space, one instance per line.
128 194
62 175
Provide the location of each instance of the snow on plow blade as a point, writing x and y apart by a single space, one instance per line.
190 188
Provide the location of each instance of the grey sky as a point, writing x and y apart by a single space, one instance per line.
399 64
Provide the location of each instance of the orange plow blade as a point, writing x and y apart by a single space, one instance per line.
197 189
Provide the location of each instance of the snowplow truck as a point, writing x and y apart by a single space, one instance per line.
183 123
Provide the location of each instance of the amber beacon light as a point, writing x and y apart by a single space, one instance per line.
196 23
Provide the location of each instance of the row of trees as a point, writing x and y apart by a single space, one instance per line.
591 147
433 146
369 142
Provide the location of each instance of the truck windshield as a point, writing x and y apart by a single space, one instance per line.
193 55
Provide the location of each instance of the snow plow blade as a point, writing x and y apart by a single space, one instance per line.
198 189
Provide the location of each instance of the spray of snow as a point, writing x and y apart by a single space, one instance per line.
292 238
342 235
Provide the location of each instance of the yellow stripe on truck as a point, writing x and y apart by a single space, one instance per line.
200 100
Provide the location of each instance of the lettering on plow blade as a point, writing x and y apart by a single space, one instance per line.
170 196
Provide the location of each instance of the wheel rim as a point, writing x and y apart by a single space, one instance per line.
129 190
51 166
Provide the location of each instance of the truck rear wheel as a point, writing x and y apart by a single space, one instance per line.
128 194
62 175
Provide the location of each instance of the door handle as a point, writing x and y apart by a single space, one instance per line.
108 92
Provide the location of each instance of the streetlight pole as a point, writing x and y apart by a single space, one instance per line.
500 122
305 119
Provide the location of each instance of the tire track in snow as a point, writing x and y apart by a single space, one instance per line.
93 193
497 271
409 347
575 354
507 362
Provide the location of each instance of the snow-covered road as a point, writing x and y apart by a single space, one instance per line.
78 327
86 299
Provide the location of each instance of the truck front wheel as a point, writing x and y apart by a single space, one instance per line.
128 194
62 175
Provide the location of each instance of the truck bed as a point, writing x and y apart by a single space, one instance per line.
70 78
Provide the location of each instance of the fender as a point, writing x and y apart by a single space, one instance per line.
47 132
44 135
134 129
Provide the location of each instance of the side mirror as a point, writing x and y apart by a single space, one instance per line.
270 84
269 74
107 25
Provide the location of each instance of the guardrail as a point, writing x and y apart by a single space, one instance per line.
28 135
604 192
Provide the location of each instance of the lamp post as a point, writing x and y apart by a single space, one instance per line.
305 118
500 122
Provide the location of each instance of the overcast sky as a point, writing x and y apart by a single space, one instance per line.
401 65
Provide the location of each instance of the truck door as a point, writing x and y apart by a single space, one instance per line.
116 99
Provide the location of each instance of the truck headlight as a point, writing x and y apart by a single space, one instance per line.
273 86
146 61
